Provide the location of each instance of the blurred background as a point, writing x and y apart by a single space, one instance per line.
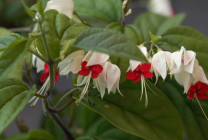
13 15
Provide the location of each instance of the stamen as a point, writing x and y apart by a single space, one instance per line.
84 90
146 98
142 83
200 106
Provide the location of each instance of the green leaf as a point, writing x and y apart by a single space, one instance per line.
58 29
27 9
108 10
190 39
11 56
135 35
110 42
156 24
37 134
194 122
4 31
159 121
8 39
35 6
14 95
40 8
154 38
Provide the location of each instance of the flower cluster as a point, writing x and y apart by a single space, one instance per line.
97 67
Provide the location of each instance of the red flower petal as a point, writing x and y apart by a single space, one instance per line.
95 75
191 96
84 63
46 68
138 68
132 75
199 85
202 96
203 90
137 80
97 68
145 67
84 72
56 77
44 76
192 89
147 74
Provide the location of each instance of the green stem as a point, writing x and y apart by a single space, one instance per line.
84 22
45 43
52 76
64 107
29 77
38 55
71 114
21 29
58 121
41 96
67 94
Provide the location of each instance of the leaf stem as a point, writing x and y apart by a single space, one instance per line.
123 22
21 29
65 95
38 55
65 106
84 22
58 121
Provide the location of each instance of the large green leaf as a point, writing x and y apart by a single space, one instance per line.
58 29
190 39
7 39
110 42
156 24
37 134
159 121
194 121
14 95
11 56
135 35
108 10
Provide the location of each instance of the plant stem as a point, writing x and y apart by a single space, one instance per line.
29 77
51 74
65 106
38 55
123 22
21 29
21 124
71 114
45 43
84 22
58 121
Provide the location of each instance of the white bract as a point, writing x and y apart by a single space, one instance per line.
186 68
108 78
62 6
161 61
162 7
71 63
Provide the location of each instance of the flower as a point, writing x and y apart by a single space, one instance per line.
199 90
62 6
161 7
139 74
108 78
91 67
46 74
71 63
161 61
186 68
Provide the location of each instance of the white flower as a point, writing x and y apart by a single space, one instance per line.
134 63
62 6
162 7
91 67
108 78
71 63
161 62
186 68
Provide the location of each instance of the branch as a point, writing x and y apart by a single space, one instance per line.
58 121
38 55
